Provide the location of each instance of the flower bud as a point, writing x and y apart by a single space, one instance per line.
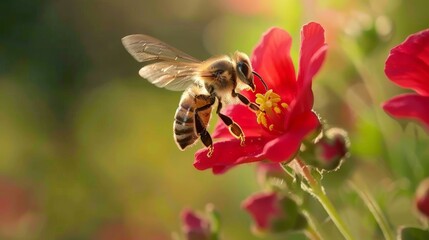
329 150
194 226
422 198
200 227
273 212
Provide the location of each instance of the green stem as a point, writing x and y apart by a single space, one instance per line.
375 211
318 192
313 230
312 234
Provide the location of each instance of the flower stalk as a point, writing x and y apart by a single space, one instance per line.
312 234
319 193
312 231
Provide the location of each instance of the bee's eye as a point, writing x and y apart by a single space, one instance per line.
243 68
218 72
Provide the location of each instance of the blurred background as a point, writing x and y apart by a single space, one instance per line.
86 145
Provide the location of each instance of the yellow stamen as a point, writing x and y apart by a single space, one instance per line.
259 100
269 100
275 95
261 119
270 105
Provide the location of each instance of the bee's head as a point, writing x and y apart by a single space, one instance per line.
244 69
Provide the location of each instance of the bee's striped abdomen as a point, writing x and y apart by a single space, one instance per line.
192 107
184 123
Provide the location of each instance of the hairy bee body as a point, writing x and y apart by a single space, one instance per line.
188 114
218 75
217 79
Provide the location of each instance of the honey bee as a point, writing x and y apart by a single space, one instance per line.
217 79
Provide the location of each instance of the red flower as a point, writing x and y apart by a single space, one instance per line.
331 149
275 134
274 213
264 207
408 67
195 227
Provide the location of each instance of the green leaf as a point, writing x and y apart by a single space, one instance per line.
412 233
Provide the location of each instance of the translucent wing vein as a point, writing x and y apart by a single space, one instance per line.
145 48
170 75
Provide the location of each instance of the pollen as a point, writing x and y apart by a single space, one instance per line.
284 105
261 119
270 110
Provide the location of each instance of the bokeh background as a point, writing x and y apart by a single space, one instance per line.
86 145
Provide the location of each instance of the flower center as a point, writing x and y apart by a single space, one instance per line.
271 110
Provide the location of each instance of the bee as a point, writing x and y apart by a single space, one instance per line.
217 79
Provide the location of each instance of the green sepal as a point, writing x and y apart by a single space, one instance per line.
291 219
293 181
412 233
215 222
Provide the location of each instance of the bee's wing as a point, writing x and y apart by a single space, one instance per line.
145 48
175 76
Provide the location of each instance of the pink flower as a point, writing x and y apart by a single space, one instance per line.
331 149
273 212
263 207
286 118
195 227
408 66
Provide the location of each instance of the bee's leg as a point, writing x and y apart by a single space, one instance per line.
233 127
205 137
253 106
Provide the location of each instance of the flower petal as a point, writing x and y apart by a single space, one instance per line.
191 221
228 154
271 59
194 226
263 207
243 117
409 106
312 55
285 146
408 63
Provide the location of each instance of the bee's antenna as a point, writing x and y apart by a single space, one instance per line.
259 76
